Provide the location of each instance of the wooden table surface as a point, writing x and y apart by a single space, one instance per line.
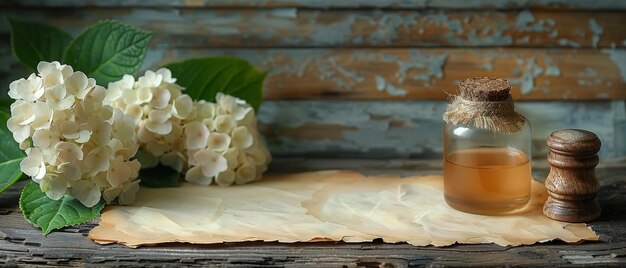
23 245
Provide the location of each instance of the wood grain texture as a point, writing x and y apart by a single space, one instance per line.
383 129
572 184
410 74
482 4
290 27
22 244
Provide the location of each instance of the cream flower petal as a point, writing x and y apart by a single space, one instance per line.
196 175
70 171
118 172
98 160
218 142
167 75
30 89
129 191
159 128
242 137
24 145
157 148
224 123
145 135
76 84
160 98
134 167
23 112
43 116
206 109
86 192
68 152
143 95
44 67
245 174
159 116
135 110
83 136
13 94
231 157
101 132
20 133
70 130
110 194
55 187
211 162
124 126
33 165
182 107
241 111
174 160
225 178
196 135
45 138
150 79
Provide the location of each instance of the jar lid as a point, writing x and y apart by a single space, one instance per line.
574 141
485 89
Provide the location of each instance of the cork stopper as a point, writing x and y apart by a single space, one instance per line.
485 89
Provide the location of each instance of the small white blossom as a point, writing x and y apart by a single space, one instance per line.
206 141
79 146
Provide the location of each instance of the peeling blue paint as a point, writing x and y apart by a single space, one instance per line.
589 72
527 81
420 132
619 58
289 13
384 86
568 42
597 31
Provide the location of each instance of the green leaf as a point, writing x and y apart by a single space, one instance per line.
108 50
33 42
203 78
50 214
10 156
5 105
159 177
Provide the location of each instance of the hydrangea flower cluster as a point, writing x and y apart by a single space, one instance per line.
74 144
206 140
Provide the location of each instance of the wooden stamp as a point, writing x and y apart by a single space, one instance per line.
572 184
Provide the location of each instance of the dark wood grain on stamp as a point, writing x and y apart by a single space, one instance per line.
572 184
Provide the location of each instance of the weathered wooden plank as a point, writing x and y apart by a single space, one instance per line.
463 4
410 74
201 28
403 74
22 244
382 129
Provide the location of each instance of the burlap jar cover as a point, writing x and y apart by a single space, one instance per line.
485 103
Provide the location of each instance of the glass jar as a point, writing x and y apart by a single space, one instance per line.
487 171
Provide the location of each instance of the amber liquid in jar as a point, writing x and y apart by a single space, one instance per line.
490 181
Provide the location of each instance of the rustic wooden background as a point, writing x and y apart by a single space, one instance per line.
369 78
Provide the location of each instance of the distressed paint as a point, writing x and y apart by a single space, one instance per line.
378 129
619 58
413 4
597 32
313 28
419 73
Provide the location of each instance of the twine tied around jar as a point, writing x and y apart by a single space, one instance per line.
496 114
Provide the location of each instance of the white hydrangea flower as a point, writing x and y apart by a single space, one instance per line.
207 141
74 144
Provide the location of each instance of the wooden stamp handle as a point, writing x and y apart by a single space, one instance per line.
572 184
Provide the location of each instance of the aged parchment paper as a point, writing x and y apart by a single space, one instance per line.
323 206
